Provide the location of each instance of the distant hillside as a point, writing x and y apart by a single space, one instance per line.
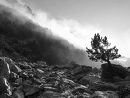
22 39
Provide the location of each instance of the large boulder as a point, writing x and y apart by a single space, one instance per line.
117 70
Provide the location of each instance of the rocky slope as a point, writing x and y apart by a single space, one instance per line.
38 80
24 74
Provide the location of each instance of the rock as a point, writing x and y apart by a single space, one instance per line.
66 84
127 96
105 94
89 78
84 81
29 89
5 96
13 76
127 78
18 93
51 89
108 74
102 86
4 86
50 94
13 68
81 69
36 81
41 64
40 71
96 70
4 68
23 65
68 66
23 75
117 79
81 90
19 81
14 85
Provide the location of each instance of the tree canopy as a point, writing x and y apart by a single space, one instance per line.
101 50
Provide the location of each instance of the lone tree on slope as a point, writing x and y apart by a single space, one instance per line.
101 50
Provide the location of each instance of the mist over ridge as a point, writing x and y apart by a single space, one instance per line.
28 40
75 33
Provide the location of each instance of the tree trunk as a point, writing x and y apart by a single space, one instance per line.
109 63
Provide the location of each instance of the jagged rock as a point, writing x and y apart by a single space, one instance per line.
117 70
23 65
102 86
4 86
4 68
13 76
18 93
105 94
13 68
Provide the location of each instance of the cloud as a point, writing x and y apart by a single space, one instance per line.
77 34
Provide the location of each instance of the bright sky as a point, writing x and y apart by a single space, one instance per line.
110 18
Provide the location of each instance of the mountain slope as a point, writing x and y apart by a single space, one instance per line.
21 37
